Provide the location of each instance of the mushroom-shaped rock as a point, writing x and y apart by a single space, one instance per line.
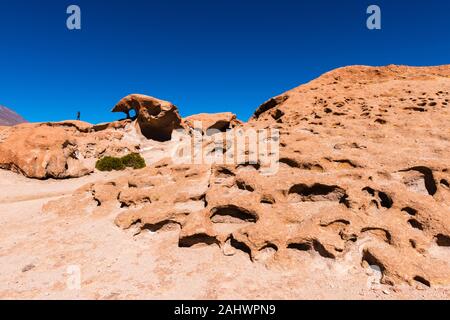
209 121
156 118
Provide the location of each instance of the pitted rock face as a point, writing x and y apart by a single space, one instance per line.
156 118
330 213
364 167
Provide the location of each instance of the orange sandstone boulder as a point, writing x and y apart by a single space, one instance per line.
59 150
156 119
213 121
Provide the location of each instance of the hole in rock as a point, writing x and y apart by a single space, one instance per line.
443 240
422 280
345 201
244 186
269 246
379 233
380 121
249 164
241 246
153 110
224 171
266 252
445 183
416 109
268 199
430 183
410 211
217 151
300 246
132 114
336 222
196 239
277 114
165 225
317 192
232 214
369 191
346 163
132 185
322 250
98 203
372 260
290 162
161 134
415 224
137 222
386 201
219 126
270 104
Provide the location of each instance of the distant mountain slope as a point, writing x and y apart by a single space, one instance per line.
9 117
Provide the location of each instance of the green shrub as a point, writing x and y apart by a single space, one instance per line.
109 164
134 160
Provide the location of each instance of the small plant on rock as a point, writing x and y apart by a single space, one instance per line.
109 164
132 160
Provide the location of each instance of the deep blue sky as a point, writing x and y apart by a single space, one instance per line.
203 55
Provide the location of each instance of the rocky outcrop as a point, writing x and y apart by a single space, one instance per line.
156 119
70 149
213 121
363 169
59 150
9 117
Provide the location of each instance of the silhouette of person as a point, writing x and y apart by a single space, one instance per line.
78 115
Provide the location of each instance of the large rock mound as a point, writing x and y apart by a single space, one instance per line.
363 167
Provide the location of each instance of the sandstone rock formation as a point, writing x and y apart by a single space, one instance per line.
156 119
213 121
59 150
364 164
9 117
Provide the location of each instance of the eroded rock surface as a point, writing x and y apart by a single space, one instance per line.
156 119
364 166
60 150
213 121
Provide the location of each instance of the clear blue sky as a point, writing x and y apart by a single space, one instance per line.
203 55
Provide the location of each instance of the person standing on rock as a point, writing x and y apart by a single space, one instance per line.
78 115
